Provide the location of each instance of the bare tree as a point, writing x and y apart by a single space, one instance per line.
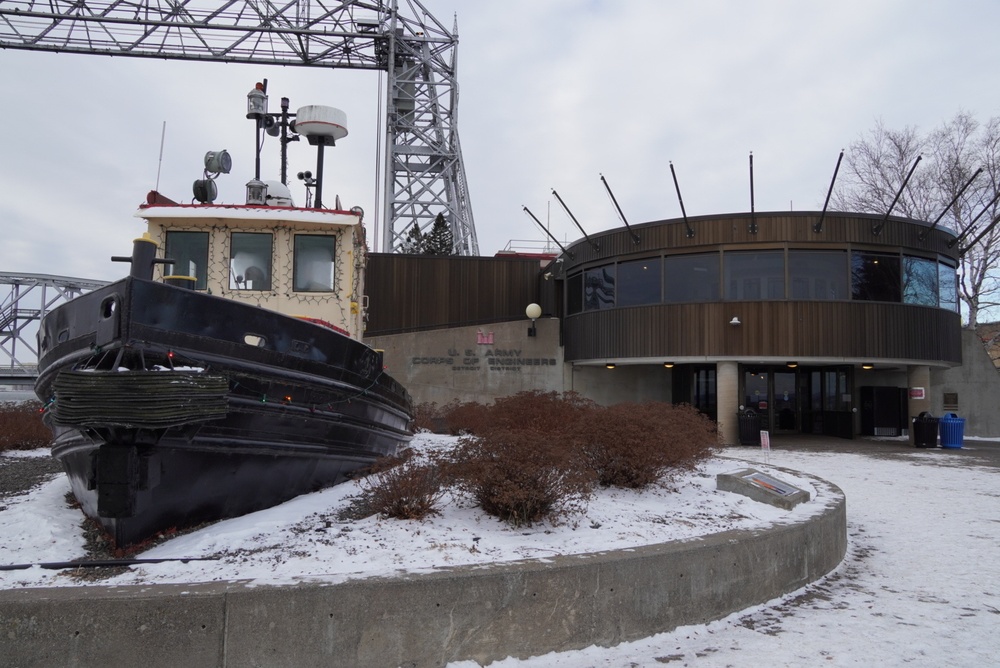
877 165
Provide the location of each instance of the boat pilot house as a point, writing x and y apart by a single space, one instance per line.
792 323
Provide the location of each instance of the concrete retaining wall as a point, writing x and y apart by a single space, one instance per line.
482 613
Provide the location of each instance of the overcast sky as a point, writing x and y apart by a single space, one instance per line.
553 94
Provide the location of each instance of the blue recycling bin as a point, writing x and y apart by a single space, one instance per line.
952 430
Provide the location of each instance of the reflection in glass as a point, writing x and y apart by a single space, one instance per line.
189 251
250 261
920 281
754 275
314 255
875 277
817 275
599 288
948 286
691 278
639 282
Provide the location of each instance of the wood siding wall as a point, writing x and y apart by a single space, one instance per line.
415 292
786 329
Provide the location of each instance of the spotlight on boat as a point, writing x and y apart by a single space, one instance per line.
205 191
218 162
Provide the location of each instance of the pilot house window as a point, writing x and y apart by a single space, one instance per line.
314 256
189 251
250 261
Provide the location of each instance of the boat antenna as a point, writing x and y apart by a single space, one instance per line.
159 165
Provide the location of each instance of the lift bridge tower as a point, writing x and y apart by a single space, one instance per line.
422 161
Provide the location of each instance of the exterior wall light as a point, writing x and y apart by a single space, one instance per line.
668 365
792 365
867 366
610 365
533 311
735 322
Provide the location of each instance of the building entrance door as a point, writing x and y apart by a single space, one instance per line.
773 395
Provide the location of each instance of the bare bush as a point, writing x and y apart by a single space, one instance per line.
520 476
21 426
634 445
404 492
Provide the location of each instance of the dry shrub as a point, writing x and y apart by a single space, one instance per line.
21 426
404 492
427 417
634 445
464 417
520 476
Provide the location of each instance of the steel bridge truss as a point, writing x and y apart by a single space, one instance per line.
29 297
423 171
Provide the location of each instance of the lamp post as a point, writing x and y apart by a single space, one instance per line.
533 311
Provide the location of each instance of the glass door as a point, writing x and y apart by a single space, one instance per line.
784 402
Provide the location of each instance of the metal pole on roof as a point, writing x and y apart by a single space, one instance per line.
968 228
877 228
753 215
819 225
545 229
593 244
680 200
635 237
923 235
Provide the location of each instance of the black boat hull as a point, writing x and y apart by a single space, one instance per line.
171 407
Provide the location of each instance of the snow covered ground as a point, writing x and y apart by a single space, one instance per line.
920 584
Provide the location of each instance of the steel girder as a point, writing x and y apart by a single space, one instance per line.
422 162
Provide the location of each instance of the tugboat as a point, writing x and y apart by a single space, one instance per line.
226 373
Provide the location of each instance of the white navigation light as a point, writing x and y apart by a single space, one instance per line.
218 162
257 102
256 192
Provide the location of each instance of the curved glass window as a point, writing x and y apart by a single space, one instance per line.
754 275
947 286
574 294
875 277
691 278
250 261
920 281
639 282
599 288
817 275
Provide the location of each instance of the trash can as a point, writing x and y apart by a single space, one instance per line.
925 430
749 427
952 430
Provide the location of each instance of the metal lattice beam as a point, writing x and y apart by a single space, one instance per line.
28 298
424 173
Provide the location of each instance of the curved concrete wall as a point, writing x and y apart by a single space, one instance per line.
483 613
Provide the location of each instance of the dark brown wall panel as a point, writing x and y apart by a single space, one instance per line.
857 330
414 292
